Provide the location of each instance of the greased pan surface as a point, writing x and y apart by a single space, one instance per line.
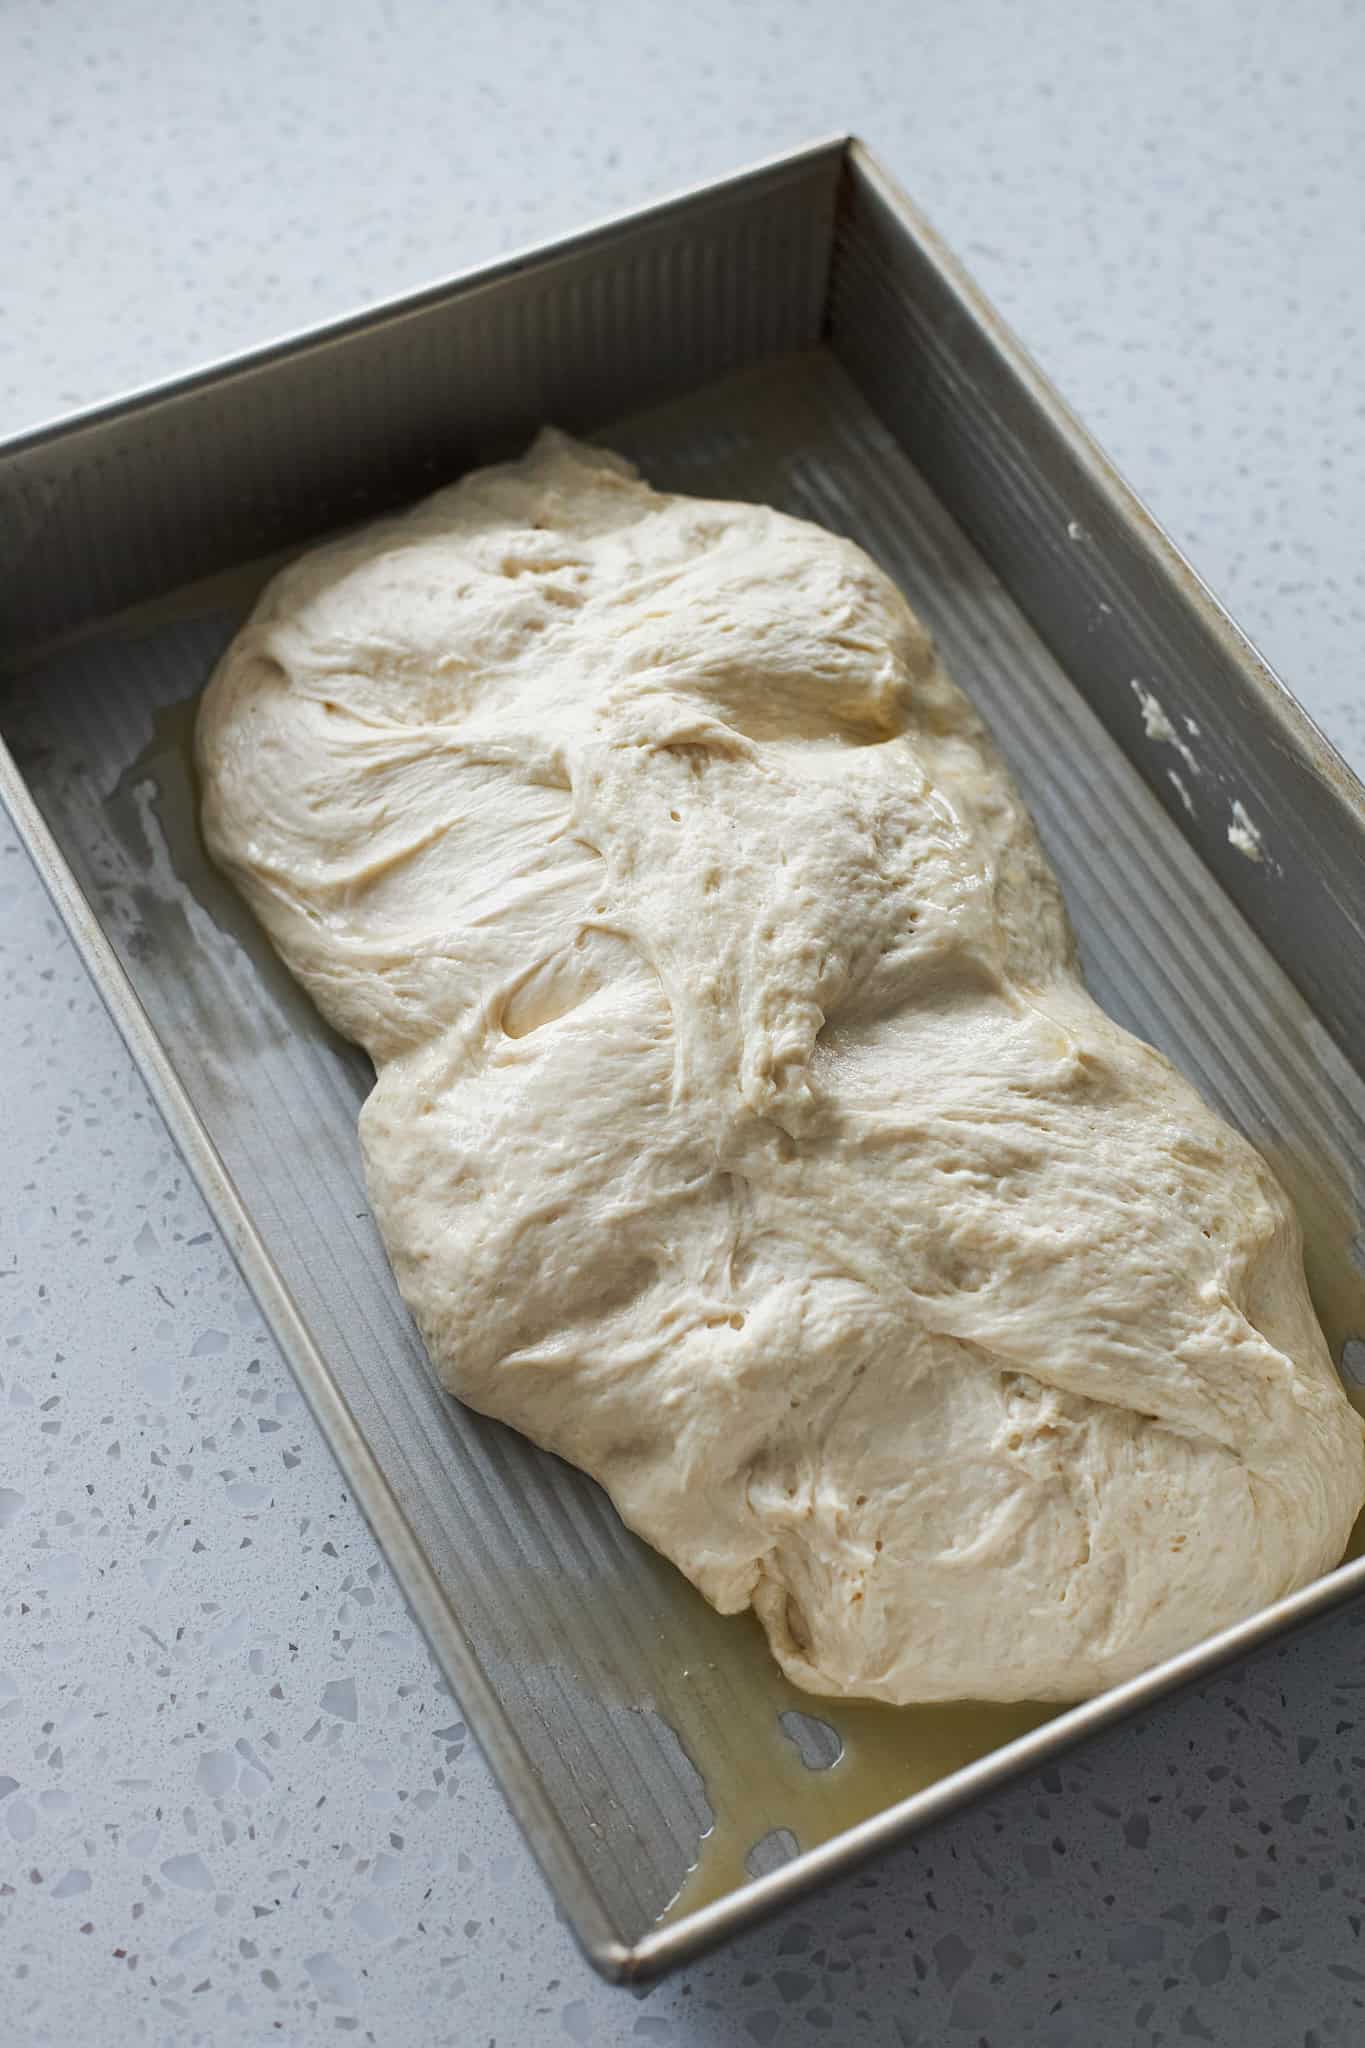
793 336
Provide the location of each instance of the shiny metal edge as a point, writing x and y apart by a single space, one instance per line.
670 1947
432 1611
1127 506
764 1896
1044 439
409 305
687 1939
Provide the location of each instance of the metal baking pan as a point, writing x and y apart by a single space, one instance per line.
794 334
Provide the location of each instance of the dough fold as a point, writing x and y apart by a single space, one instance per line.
742 1130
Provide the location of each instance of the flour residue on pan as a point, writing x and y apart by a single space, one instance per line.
1159 726
1243 835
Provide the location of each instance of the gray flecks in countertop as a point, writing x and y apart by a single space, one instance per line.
236 1804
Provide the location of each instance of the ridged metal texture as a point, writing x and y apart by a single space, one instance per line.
312 434
1111 597
570 1643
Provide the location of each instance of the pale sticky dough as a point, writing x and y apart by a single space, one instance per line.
742 1129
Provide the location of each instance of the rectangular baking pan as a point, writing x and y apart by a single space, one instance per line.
794 334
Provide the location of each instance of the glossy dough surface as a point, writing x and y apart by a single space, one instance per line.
742 1129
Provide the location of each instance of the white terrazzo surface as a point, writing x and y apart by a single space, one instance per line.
235 1804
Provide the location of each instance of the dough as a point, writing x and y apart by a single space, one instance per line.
742 1129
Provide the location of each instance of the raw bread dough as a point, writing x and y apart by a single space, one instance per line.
742 1129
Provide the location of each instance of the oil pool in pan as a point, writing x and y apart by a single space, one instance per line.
815 1767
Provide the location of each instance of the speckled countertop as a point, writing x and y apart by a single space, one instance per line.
235 1803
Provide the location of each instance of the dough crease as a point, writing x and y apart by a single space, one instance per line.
742 1129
